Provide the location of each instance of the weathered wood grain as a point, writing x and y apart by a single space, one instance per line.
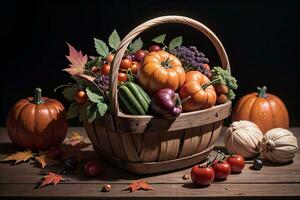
272 182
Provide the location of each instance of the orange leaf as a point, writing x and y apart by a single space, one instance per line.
19 156
51 178
137 185
44 160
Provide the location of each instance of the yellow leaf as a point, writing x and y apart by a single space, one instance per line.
20 156
75 139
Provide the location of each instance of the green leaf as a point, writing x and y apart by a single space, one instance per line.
73 110
93 97
136 45
159 39
176 42
114 40
91 112
102 108
92 63
69 92
101 47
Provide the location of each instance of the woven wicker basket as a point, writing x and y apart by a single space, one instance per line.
146 144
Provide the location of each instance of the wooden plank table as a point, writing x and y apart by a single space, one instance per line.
272 182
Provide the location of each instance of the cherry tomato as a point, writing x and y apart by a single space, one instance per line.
91 169
202 176
154 47
110 58
237 163
222 98
105 69
206 66
80 96
222 169
125 63
122 77
139 55
221 89
135 67
95 70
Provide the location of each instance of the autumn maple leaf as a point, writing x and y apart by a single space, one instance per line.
51 178
44 161
19 156
77 61
137 185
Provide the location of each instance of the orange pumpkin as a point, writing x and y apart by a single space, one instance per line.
267 111
197 92
160 70
37 123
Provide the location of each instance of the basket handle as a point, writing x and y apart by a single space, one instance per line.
146 25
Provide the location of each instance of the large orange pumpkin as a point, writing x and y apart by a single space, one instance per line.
160 70
37 123
197 93
267 111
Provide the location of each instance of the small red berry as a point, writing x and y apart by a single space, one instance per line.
91 169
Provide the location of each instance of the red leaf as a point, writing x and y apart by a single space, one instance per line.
51 178
137 185
77 61
76 58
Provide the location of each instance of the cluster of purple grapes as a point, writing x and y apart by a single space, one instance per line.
103 84
192 59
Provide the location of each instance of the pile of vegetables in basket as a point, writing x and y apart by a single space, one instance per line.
161 81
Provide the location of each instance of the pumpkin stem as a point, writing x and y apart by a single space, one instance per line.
38 96
262 92
165 64
217 80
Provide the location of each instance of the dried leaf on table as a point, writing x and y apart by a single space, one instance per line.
44 160
20 156
74 139
137 185
51 178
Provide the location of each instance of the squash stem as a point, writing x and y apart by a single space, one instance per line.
211 83
38 96
262 92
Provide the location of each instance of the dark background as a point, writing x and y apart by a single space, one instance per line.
261 39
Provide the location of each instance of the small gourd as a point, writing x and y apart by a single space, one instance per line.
243 137
279 145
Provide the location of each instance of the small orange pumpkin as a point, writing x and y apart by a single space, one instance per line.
267 111
37 123
160 70
197 92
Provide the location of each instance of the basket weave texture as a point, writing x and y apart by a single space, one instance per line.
146 144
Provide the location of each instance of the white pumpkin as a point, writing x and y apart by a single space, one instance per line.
243 137
279 145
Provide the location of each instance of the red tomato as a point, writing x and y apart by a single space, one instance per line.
105 69
122 77
135 67
222 169
139 55
80 96
202 176
91 169
237 163
206 66
110 58
154 47
125 63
